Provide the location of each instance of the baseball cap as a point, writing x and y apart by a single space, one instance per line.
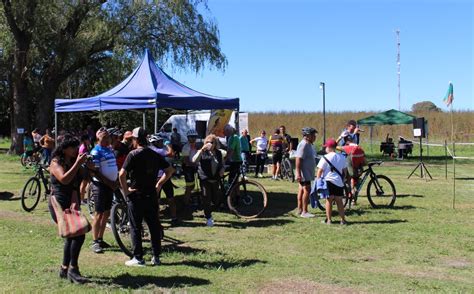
331 143
139 133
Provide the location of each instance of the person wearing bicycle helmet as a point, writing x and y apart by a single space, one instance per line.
157 145
189 167
305 169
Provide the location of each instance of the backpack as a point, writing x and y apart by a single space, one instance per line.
355 156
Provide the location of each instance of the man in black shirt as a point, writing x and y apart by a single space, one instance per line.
142 166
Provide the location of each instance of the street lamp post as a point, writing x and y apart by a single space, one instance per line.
322 86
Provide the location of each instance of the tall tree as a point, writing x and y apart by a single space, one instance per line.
56 40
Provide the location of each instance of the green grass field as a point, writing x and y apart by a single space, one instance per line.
423 245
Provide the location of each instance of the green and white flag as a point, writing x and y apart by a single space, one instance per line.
448 99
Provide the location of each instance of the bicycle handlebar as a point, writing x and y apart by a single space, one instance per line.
375 162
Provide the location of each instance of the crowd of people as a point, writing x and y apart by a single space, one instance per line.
138 167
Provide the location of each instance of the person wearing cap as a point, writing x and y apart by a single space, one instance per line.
102 188
351 130
189 167
305 169
157 145
327 167
141 166
261 154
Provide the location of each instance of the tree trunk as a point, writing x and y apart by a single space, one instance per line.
45 110
21 115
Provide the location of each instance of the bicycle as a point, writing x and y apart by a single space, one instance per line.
381 191
286 168
29 158
245 198
31 193
121 227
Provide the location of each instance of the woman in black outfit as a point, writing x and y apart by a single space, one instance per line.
66 176
210 170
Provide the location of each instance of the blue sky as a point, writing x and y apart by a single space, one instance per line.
279 51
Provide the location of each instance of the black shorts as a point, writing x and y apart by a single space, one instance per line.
189 175
305 183
168 189
277 157
103 197
335 190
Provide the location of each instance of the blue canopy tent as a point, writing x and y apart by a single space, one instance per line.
147 87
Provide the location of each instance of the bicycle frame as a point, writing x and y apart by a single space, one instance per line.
368 172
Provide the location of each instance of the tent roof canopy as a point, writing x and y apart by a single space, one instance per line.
390 117
148 86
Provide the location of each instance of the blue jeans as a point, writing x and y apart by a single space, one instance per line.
245 160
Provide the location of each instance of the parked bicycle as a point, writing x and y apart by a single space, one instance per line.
245 198
30 158
381 191
31 193
286 169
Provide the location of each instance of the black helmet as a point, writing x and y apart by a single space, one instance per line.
308 131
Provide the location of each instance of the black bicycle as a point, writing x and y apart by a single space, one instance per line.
286 169
381 191
245 198
31 193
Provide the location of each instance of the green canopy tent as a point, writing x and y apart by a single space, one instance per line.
389 117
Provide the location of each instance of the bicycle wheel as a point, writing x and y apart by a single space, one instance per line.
248 199
290 174
121 227
31 194
381 192
23 159
90 201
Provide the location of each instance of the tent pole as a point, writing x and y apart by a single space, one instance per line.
236 122
144 120
56 127
371 131
156 120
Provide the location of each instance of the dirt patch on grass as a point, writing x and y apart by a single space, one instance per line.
457 263
302 286
5 214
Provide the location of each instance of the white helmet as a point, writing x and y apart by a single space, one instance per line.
192 133
154 138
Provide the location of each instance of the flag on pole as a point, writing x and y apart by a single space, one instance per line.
448 99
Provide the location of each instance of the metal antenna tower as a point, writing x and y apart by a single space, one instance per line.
398 65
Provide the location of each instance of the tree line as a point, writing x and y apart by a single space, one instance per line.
74 49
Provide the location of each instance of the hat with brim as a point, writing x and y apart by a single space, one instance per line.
331 143
139 133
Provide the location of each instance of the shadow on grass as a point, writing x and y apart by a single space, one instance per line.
217 264
409 195
369 222
243 224
139 281
8 196
279 204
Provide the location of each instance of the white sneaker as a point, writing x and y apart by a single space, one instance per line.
307 215
135 262
155 261
260 175
210 222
